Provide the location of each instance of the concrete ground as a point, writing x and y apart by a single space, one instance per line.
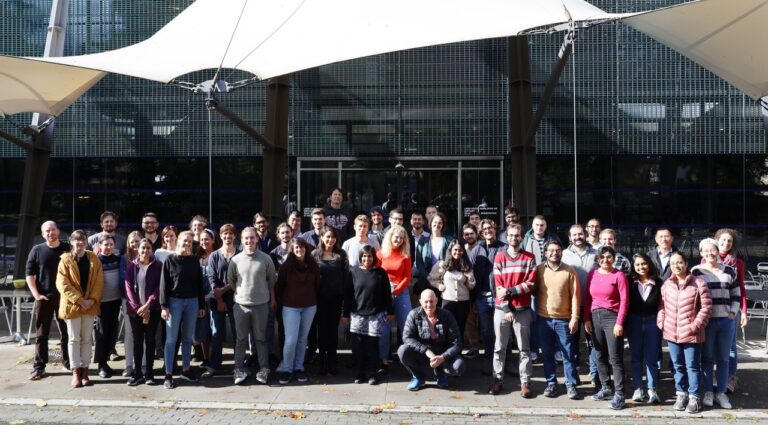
339 401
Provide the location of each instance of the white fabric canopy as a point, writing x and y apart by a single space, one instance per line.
277 37
33 86
724 36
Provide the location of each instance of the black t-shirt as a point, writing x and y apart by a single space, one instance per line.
43 263
84 267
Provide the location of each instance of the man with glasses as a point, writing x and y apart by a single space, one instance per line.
484 291
558 300
149 225
267 241
514 272
593 232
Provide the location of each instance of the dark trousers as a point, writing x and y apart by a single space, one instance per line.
609 349
366 353
105 331
327 320
418 364
46 312
460 310
144 343
219 329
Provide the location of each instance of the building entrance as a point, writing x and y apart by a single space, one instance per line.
457 186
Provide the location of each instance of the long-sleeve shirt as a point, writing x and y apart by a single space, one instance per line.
252 276
518 276
723 288
737 263
398 268
609 291
457 284
182 277
297 285
558 293
334 274
367 292
151 286
444 339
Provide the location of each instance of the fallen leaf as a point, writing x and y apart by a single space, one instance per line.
343 410
477 416
278 413
202 411
297 415
255 412
376 410
457 397
575 416
388 406
90 412
636 414
41 403
328 390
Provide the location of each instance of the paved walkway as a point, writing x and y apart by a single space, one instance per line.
337 399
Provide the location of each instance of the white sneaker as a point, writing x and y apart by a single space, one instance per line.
722 400
240 376
262 376
639 395
653 396
709 399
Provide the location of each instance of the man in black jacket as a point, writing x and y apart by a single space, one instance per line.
431 344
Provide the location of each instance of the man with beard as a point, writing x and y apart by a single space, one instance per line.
581 256
318 222
108 221
149 226
593 232
377 224
417 225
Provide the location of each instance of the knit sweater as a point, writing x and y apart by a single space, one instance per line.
367 292
518 276
609 291
252 276
297 285
723 288
730 259
182 277
558 293
457 284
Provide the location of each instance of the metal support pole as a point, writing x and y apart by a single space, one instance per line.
522 150
39 153
275 156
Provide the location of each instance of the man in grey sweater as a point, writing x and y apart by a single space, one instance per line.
251 275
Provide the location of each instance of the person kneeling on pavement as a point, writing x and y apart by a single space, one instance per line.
431 344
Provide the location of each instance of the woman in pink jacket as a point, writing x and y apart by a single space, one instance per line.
684 311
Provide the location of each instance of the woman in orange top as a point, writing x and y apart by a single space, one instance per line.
395 260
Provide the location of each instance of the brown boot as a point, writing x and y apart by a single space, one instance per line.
84 377
76 379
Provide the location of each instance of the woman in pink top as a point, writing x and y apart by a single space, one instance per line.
606 306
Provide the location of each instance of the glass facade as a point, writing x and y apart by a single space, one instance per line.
657 138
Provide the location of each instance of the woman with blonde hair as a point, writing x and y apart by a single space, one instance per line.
395 260
80 280
182 302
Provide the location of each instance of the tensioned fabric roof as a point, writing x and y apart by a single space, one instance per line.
277 37
724 36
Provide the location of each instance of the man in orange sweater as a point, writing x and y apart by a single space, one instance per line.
558 297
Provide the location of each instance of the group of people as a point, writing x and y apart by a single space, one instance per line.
476 291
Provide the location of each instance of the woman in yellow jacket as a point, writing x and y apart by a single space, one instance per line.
80 280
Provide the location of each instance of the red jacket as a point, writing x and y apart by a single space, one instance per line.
684 310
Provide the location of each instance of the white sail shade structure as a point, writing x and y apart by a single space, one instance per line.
268 38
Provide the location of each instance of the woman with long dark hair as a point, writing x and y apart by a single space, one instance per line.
367 307
142 288
643 334
334 274
685 308
296 291
454 278
605 310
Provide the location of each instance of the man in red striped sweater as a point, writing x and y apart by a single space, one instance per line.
514 272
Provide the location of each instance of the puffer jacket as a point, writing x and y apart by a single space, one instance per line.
68 284
684 310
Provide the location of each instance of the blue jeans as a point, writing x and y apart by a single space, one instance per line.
733 361
717 347
554 335
644 344
297 322
219 330
183 312
402 306
485 307
686 359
